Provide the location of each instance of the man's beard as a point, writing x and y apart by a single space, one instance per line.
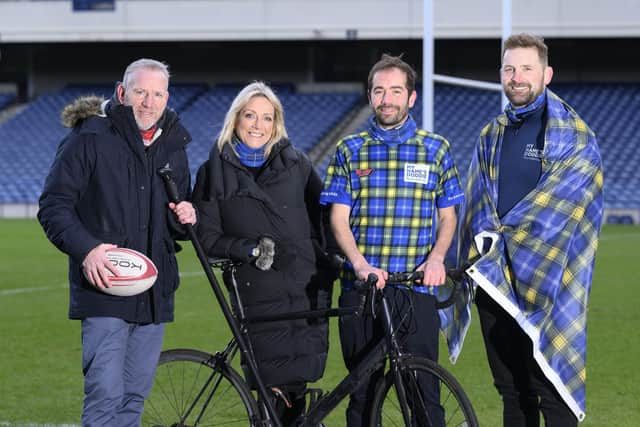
391 121
145 126
518 100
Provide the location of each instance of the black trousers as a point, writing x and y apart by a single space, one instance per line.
418 324
524 389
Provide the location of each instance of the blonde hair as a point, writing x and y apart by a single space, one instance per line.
231 118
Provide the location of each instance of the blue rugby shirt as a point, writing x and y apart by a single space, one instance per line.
393 180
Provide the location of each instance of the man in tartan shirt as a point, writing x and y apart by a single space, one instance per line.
386 185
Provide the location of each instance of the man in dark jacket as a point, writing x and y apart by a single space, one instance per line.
102 192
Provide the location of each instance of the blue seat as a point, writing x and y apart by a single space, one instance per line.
6 99
29 140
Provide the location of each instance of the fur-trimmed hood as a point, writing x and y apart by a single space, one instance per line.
81 109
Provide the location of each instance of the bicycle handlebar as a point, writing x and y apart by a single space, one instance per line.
455 277
408 277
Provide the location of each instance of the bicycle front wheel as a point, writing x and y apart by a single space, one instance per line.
191 389
433 398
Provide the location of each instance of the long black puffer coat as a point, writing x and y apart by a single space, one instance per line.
235 210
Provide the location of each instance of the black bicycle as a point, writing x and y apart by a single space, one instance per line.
196 388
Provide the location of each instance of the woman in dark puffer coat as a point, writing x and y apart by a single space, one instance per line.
257 186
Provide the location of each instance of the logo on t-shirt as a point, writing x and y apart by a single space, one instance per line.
532 153
416 173
364 172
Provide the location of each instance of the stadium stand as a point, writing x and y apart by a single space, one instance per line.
6 99
29 140
613 112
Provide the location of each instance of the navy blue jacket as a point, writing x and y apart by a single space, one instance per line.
103 187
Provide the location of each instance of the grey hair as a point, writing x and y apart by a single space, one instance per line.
144 63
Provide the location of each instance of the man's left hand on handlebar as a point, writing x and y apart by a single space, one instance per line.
363 270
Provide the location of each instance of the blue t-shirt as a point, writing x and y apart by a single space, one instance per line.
520 158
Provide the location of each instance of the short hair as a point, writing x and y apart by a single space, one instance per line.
388 61
525 40
144 63
252 90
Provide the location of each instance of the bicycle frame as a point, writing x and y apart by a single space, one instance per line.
387 347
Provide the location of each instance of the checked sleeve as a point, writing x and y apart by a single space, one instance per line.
337 183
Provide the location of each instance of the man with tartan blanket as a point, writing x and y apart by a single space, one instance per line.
386 185
533 211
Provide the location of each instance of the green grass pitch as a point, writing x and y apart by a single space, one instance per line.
41 378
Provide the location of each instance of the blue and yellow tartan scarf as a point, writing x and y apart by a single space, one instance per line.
550 237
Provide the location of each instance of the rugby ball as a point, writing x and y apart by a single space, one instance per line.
136 272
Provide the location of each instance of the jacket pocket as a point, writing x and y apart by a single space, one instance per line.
168 271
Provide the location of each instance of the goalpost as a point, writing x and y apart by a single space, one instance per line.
428 75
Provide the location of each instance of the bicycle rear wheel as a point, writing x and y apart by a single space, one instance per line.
448 406
191 389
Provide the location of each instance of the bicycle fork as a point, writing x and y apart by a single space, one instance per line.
393 361
400 383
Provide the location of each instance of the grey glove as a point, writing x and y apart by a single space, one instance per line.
265 253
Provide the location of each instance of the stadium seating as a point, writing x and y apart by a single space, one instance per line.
28 141
6 99
613 113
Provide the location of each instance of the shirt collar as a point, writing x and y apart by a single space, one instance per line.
396 135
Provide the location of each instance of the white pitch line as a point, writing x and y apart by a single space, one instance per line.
27 290
16 291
